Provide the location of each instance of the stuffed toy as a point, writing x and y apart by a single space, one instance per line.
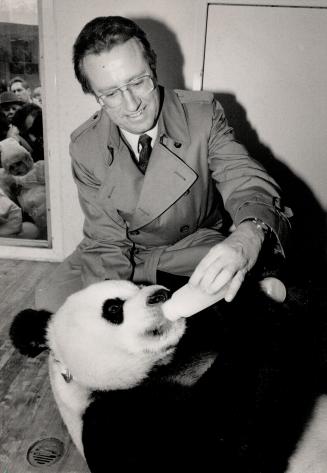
143 386
29 179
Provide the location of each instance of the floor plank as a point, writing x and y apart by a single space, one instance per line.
27 410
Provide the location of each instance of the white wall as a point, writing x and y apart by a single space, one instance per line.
175 20
271 62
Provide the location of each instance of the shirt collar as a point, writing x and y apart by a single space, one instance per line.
133 139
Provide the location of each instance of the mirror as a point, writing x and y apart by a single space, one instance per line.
24 209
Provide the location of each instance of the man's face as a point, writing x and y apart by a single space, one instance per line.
21 92
9 109
115 68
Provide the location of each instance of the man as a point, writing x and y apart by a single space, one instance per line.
9 104
171 217
21 88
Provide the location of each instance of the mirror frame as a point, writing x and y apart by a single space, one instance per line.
52 248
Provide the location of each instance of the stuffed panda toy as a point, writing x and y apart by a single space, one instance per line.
237 387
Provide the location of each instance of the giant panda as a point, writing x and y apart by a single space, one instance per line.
238 387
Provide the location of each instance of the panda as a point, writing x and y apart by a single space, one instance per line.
239 386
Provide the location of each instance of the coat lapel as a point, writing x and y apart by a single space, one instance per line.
123 182
167 178
140 199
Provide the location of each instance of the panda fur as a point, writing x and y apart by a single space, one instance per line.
238 387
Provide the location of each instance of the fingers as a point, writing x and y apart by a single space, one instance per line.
234 286
227 263
203 267
222 279
222 266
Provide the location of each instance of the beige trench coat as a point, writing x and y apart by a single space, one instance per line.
170 217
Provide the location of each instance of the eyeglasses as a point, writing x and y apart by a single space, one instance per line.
139 87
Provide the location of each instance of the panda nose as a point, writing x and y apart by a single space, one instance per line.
158 297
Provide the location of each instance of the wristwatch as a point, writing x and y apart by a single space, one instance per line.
262 226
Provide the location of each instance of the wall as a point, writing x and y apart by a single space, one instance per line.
273 85
171 27
266 63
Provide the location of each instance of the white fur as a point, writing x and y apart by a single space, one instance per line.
100 355
72 400
311 453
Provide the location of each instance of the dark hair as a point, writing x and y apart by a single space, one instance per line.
4 126
37 127
102 34
19 118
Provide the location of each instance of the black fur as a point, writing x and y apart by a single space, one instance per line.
245 414
112 310
28 331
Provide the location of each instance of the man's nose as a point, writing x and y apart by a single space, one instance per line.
132 102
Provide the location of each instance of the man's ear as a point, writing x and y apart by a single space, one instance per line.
28 331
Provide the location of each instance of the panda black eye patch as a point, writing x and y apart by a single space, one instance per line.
112 310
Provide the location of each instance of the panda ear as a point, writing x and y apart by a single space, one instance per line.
28 331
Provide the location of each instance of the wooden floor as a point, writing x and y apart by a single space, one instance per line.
27 409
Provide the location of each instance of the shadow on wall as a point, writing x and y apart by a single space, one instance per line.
307 255
170 60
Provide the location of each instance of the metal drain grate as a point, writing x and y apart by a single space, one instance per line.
45 452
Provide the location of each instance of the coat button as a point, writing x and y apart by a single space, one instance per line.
134 232
177 145
184 229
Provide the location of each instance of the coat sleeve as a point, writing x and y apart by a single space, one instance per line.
246 188
105 249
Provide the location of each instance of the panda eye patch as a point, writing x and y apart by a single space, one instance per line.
112 310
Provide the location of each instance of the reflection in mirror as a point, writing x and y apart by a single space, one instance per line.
23 194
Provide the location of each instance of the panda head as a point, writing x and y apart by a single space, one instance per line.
107 336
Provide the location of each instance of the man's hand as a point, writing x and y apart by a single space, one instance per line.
228 262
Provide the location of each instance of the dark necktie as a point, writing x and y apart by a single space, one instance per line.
144 147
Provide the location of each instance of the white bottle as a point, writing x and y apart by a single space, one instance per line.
189 300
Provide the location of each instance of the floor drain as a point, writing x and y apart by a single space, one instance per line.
45 452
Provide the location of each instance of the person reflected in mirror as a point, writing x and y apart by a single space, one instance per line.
173 217
37 96
28 121
9 104
20 87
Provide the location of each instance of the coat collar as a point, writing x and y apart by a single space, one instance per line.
171 123
172 120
